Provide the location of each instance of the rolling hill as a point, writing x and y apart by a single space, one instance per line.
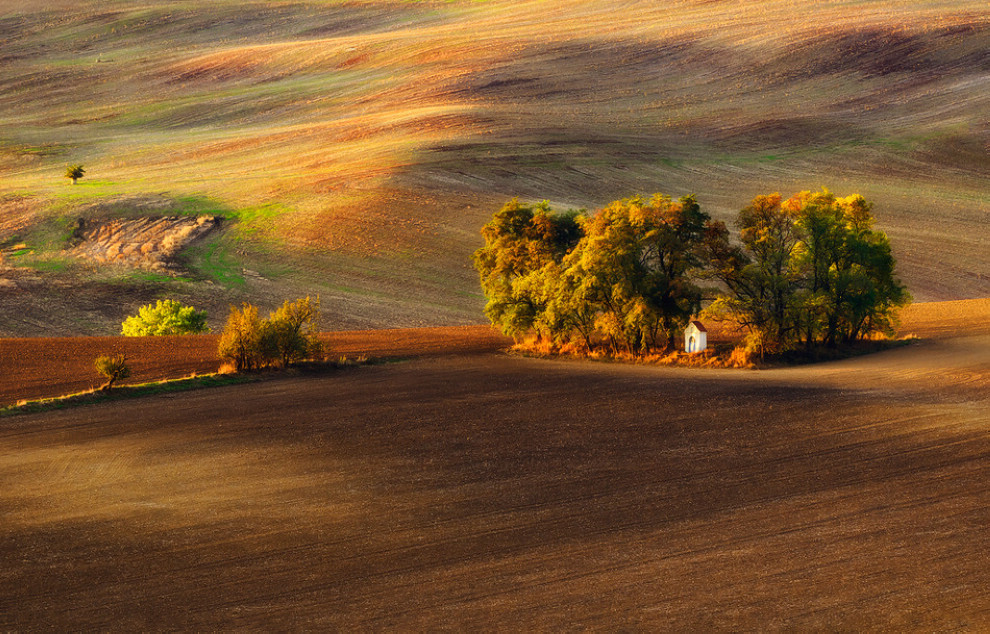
354 149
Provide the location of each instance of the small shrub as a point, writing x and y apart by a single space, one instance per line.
166 317
112 368
741 357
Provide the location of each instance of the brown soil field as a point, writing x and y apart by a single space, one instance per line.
494 492
33 368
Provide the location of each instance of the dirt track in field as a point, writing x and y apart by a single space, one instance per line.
490 492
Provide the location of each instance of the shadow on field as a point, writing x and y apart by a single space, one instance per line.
467 489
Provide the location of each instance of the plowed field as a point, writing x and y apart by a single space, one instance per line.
44 367
490 492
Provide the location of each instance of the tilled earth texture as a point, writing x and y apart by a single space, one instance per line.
483 491
33 368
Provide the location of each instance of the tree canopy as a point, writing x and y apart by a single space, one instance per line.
289 334
620 277
808 270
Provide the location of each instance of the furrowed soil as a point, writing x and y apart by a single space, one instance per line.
480 491
34 368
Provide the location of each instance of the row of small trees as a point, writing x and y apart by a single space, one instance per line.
248 341
805 271
288 334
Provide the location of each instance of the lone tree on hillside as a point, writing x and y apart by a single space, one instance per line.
166 317
75 172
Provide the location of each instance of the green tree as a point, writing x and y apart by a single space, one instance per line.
809 269
165 317
519 241
75 172
851 287
113 368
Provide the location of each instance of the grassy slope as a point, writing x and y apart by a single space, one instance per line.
360 146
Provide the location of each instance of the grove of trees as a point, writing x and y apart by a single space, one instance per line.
805 271
808 270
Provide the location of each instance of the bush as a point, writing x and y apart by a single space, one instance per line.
288 335
166 317
112 368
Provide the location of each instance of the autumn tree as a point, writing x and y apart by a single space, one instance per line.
633 268
759 274
810 269
240 341
850 285
290 333
520 241
113 368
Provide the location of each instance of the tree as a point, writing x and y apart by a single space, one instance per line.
240 342
634 265
519 242
75 172
759 275
290 333
112 368
851 287
165 317
809 269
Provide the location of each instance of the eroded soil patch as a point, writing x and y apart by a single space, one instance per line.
149 243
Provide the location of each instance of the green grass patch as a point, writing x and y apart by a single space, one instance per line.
85 190
216 261
258 221
48 236
49 264
199 206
